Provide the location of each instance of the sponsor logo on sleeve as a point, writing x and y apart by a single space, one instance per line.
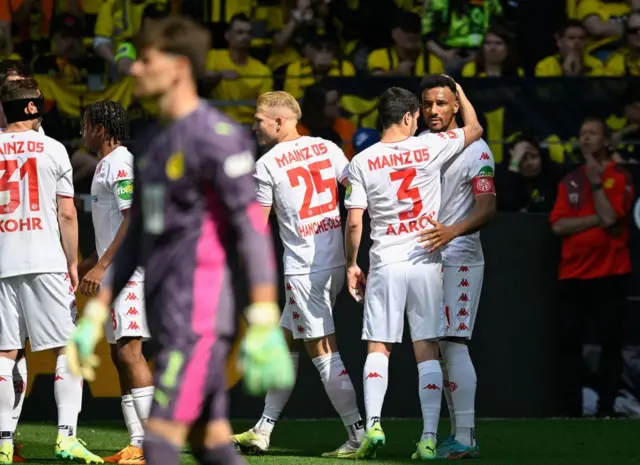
485 171
124 189
348 190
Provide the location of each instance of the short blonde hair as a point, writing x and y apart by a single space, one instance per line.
278 99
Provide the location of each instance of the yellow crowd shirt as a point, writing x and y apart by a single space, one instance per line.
608 12
386 59
552 66
621 63
255 79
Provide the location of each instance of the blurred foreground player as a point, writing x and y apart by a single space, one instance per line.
38 263
398 181
468 203
104 129
310 229
194 207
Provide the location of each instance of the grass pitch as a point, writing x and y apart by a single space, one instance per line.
502 442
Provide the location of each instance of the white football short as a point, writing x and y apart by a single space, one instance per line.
462 288
41 307
308 311
128 317
396 286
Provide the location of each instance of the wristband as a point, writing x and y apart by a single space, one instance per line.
263 314
596 186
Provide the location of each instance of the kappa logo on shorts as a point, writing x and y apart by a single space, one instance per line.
463 298
300 329
295 315
464 283
132 312
133 326
291 301
463 269
463 312
131 296
131 283
463 327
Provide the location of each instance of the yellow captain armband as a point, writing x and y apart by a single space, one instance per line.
126 50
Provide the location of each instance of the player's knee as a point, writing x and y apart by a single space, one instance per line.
454 350
321 346
425 351
130 351
379 347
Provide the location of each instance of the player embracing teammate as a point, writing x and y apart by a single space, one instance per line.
468 203
398 181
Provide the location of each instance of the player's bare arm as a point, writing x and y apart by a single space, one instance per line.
87 264
604 209
91 281
472 129
356 278
68 221
440 235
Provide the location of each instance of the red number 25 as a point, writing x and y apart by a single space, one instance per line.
314 182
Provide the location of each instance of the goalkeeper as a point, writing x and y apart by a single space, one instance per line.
197 231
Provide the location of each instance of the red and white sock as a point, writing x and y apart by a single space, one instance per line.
462 382
67 389
376 380
430 391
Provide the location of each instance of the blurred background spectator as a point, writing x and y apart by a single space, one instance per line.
497 56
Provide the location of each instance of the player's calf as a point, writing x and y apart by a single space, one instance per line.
7 400
337 383
430 389
135 368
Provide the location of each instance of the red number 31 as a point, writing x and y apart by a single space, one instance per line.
313 181
29 169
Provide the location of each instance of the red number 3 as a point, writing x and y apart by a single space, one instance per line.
28 169
313 181
405 192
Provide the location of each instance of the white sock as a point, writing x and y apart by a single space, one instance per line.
341 393
20 389
136 431
142 400
447 394
67 389
462 375
376 380
7 400
275 402
430 390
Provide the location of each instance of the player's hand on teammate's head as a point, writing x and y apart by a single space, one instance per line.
356 283
434 238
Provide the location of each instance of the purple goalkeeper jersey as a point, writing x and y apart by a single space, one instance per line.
193 210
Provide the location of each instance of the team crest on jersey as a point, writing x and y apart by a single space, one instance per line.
174 168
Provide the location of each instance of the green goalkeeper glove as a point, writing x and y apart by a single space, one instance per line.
265 358
81 347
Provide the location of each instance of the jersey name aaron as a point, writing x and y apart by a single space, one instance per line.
111 194
399 184
35 170
299 178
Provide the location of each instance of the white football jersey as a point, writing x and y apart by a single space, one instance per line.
463 178
40 130
111 193
299 178
35 170
399 184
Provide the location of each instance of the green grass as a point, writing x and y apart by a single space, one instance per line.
519 442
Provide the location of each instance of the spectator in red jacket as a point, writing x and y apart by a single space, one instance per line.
591 216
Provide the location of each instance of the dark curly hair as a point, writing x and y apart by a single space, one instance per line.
112 117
